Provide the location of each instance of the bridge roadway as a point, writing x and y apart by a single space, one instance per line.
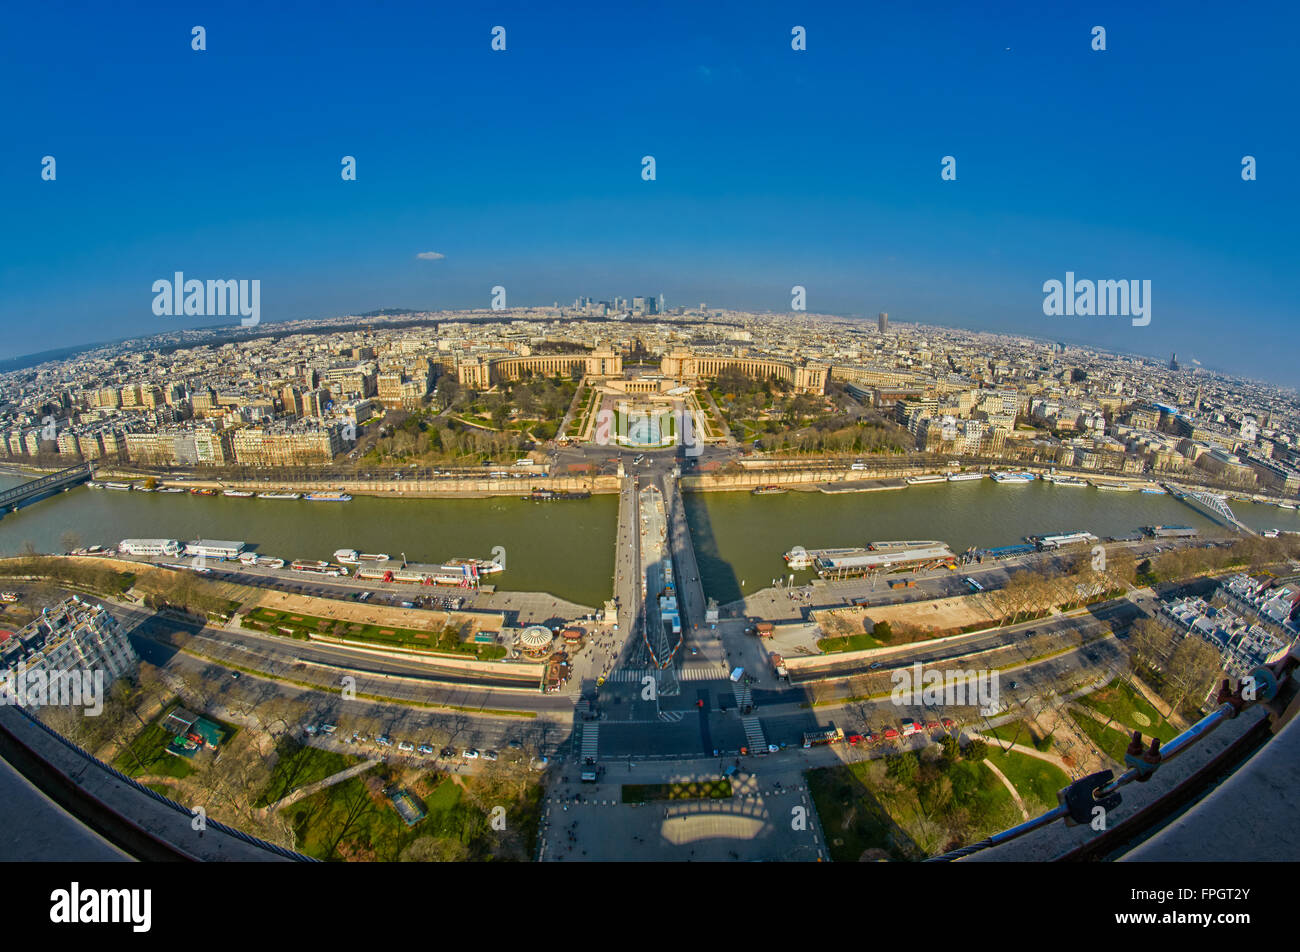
50 483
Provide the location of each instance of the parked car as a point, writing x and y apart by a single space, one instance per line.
384 741
490 755
405 745
470 753
447 752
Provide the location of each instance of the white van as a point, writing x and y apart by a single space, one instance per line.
737 674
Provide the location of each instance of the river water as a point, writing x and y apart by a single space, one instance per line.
739 538
566 548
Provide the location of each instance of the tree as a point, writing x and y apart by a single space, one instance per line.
1193 667
976 750
353 803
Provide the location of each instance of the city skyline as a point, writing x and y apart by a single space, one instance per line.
774 168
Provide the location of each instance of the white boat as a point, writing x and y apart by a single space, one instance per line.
921 480
170 489
1154 491
1066 480
1286 505
1116 487
121 487
962 477
242 493
1014 477
331 496
279 495
485 566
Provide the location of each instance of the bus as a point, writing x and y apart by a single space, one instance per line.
974 585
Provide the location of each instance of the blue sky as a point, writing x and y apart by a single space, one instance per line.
775 167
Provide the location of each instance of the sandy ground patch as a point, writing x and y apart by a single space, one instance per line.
363 614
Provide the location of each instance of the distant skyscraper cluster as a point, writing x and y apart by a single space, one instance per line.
641 304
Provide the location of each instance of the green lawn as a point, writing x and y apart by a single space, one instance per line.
1110 740
297 766
1035 780
941 805
1130 709
273 621
147 754
695 790
349 822
848 643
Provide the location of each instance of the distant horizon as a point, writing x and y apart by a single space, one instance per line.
26 361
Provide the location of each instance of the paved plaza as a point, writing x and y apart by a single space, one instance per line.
769 817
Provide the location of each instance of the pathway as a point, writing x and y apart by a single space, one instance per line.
1015 794
319 785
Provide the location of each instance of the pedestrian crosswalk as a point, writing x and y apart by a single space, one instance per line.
634 675
743 698
754 734
590 742
671 716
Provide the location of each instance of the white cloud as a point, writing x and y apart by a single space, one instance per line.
430 256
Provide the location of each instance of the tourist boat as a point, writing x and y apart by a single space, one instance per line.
1116 487
242 493
1066 480
279 495
1155 491
963 477
262 561
1014 477
317 567
328 496
550 495
352 556
485 566
120 487
170 489
771 490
